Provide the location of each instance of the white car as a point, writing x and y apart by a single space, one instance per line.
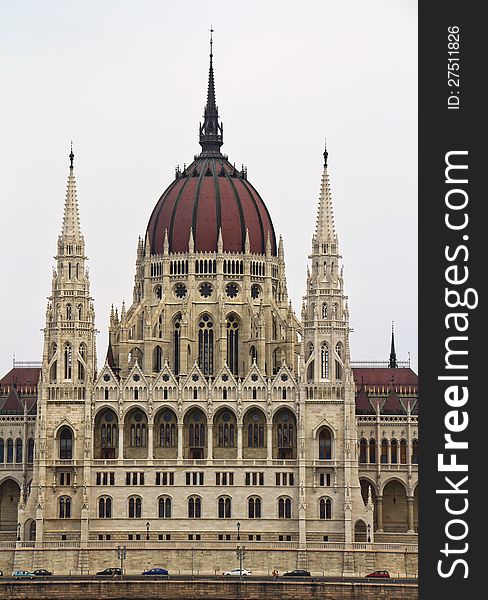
236 573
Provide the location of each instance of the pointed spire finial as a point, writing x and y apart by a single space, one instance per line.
211 130
71 157
326 154
393 364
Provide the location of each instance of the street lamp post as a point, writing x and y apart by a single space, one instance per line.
238 529
241 555
147 530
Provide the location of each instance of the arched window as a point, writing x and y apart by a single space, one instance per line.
194 508
79 310
324 361
205 345
167 431
68 312
164 508
81 371
105 508
176 345
415 450
254 508
157 359
65 507
225 508
325 508
372 451
2 450
384 452
338 361
68 361
325 445
82 351
233 344
66 444
324 311
394 452
284 508
18 450
403 452
253 353
363 450
135 508
10 451
226 430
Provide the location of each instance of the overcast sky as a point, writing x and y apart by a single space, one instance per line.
126 81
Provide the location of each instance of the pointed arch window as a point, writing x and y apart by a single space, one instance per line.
403 452
167 431
325 508
233 344
65 507
363 450
394 452
206 345
157 359
79 310
66 444
415 452
18 450
372 451
2 450
225 508
194 508
254 508
10 451
135 508
68 361
324 310
68 312
164 508
105 508
325 445
176 345
384 452
284 508
324 361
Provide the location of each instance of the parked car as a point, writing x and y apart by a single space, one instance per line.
156 572
237 572
381 574
42 573
110 572
297 573
19 574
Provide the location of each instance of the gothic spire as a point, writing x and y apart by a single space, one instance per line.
71 219
211 131
393 364
325 229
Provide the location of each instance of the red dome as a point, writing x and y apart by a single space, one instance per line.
208 195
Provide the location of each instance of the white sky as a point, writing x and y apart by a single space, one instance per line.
126 81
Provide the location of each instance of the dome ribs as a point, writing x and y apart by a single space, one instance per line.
262 249
229 178
156 235
175 244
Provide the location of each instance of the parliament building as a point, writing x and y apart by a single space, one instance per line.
219 417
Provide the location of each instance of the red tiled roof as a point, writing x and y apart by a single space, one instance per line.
24 377
382 377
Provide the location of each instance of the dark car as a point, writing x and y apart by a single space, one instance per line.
156 572
41 573
297 573
380 574
110 572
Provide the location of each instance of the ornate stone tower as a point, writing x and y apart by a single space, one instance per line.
328 387
63 434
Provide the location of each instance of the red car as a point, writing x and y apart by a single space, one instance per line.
381 574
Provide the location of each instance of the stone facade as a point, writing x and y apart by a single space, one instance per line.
217 415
